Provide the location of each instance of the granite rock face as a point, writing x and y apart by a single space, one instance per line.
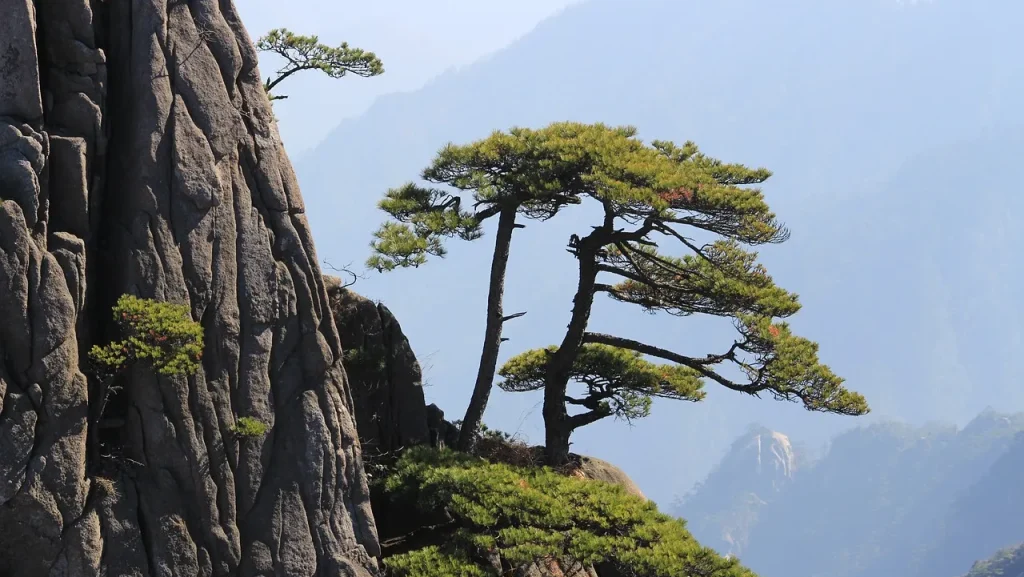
138 154
596 469
386 379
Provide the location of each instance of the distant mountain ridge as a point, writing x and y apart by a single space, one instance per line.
758 467
886 500
1008 562
886 126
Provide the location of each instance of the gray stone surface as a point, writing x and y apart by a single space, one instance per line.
386 379
600 470
149 163
20 95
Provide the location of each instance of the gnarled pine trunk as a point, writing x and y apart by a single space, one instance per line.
138 154
558 425
492 331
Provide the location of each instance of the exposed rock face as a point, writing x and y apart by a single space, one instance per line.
552 568
723 510
385 377
442 433
599 470
392 413
138 154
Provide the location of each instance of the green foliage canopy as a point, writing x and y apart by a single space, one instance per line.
619 381
526 515
650 195
539 171
159 333
307 53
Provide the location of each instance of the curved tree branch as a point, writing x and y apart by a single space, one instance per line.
699 365
584 419
346 270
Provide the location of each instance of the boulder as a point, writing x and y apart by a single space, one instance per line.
599 470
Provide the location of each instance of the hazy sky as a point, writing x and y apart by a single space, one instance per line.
417 41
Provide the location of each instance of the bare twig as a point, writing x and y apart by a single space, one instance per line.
346 270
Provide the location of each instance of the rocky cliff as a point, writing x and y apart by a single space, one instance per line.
138 154
385 376
757 468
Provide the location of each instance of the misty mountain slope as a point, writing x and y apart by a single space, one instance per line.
1005 563
989 514
833 97
884 502
922 281
758 467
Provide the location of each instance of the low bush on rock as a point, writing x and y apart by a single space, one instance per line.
501 518
249 427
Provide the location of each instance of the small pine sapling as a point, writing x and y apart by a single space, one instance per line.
307 53
156 334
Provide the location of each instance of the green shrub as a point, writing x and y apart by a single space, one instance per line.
535 514
157 334
160 333
249 427
1007 562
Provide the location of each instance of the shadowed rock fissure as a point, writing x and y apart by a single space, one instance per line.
138 154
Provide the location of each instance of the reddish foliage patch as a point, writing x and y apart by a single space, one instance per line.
677 195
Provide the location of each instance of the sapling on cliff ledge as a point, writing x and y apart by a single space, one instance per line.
249 427
160 335
308 53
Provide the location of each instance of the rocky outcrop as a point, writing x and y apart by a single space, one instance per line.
442 432
598 470
138 154
391 413
385 377
723 510
552 568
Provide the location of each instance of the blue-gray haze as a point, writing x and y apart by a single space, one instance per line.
893 130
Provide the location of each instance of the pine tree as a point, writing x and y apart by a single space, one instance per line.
521 172
650 195
159 335
307 53
648 192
